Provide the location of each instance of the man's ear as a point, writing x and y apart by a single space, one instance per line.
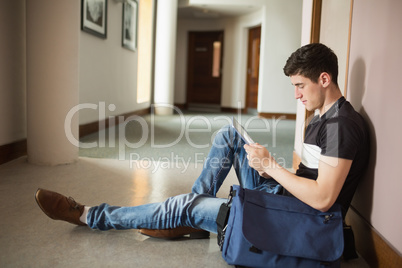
325 79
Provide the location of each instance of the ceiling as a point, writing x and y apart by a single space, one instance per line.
205 9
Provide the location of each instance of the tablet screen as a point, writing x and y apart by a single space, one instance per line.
241 131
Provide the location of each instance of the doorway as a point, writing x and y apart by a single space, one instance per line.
253 69
204 69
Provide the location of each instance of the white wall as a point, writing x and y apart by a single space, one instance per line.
235 59
307 11
281 36
108 72
375 91
12 72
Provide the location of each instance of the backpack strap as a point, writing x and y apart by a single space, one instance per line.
223 216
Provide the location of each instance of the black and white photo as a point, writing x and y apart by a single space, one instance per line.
94 17
130 15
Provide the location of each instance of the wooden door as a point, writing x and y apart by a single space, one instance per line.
204 74
253 67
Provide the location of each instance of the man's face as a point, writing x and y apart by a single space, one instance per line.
309 93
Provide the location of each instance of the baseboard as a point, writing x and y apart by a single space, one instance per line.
86 129
181 106
373 248
12 151
278 115
233 110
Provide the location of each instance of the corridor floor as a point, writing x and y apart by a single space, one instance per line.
28 238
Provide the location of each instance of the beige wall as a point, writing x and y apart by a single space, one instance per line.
12 71
375 91
108 72
334 32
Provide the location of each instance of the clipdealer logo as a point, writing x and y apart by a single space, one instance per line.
189 127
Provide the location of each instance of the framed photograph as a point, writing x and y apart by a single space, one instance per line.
94 17
130 21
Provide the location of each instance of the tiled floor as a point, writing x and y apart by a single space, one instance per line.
29 239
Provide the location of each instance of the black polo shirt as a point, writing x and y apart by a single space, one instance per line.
342 133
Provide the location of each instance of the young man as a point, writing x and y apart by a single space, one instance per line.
334 158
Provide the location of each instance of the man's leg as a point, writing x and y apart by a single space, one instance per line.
227 151
192 210
188 210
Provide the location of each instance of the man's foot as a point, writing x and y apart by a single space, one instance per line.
59 207
175 233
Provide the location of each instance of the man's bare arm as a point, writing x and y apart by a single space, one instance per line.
320 194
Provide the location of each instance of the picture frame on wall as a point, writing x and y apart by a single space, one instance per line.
94 17
130 25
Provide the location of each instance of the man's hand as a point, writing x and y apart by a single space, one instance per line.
260 159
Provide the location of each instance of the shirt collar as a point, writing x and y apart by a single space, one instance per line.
334 110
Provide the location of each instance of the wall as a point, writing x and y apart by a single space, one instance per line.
334 32
372 88
282 32
235 58
145 50
375 91
307 12
12 71
108 72
52 80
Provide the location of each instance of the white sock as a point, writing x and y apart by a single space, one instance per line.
83 217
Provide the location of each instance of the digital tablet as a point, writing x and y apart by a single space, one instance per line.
241 131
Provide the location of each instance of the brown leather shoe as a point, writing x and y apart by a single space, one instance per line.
59 207
175 233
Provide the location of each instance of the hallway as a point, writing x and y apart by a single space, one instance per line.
124 176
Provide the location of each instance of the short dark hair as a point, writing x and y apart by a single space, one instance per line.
311 60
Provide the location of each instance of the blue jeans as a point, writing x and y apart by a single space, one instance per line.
198 209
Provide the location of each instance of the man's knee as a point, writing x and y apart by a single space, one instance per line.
224 136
